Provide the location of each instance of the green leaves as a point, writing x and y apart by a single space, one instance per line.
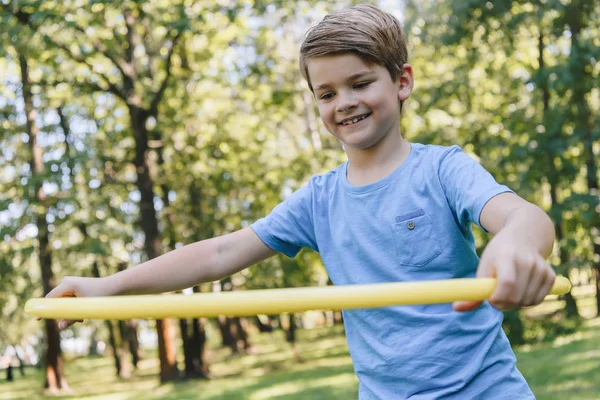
226 109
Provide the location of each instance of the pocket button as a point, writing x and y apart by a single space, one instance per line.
410 225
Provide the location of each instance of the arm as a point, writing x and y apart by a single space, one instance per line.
203 261
526 222
516 256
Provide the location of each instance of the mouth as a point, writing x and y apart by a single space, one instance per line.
353 120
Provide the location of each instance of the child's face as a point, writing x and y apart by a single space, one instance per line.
359 103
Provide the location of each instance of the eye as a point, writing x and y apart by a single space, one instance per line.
326 96
362 85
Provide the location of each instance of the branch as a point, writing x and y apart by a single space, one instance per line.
24 19
159 94
151 49
86 86
130 22
82 60
64 125
124 67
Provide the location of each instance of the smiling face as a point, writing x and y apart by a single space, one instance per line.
358 102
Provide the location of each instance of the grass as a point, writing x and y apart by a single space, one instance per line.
271 373
565 369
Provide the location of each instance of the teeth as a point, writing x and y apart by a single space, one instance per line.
355 120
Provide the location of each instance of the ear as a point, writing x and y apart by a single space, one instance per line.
405 82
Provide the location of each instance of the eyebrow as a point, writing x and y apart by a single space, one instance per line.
350 78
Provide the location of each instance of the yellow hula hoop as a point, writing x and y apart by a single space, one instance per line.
270 301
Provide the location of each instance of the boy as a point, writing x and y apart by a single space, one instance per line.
395 211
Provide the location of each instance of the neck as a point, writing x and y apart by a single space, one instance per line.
375 163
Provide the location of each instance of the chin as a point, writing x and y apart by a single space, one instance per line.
360 145
363 143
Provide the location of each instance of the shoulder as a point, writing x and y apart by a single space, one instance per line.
326 181
329 176
318 187
435 157
434 151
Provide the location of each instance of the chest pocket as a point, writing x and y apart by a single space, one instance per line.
415 239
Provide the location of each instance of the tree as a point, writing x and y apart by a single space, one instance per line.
55 379
140 98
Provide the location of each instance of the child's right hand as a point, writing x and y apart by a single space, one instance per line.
75 286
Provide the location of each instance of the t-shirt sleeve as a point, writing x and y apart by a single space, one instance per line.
467 185
289 227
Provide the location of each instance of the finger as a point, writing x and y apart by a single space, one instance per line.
506 283
466 305
65 323
59 291
504 306
536 282
548 281
528 279
484 270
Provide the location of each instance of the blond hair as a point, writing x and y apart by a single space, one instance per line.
364 30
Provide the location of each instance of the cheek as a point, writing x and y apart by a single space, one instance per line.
385 104
325 112
373 99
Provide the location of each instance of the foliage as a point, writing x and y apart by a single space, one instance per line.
232 129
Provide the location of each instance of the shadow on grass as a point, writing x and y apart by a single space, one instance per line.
567 369
317 383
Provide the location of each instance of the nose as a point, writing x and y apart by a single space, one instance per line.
347 102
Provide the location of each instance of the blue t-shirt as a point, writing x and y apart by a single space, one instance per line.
414 224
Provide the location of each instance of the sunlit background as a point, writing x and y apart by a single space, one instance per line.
130 128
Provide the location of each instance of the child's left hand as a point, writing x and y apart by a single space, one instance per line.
523 275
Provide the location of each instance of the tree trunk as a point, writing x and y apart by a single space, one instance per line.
241 333
290 336
227 337
149 224
187 348
198 363
266 326
93 347
21 366
233 329
585 127
166 351
199 340
193 343
234 333
596 268
123 349
133 342
55 380
21 362
553 180
115 339
290 332
129 330
194 348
